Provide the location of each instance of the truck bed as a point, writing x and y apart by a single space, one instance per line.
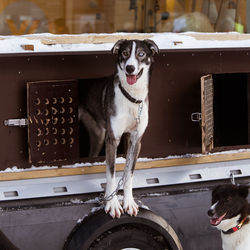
46 223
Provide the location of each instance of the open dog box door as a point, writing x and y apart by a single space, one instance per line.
207 114
52 121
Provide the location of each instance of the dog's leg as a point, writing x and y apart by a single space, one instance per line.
113 206
96 133
134 145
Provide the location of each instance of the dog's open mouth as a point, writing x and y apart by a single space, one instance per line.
216 221
131 79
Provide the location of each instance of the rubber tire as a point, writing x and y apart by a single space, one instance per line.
130 236
100 231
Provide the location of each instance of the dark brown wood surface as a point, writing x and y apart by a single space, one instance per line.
174 94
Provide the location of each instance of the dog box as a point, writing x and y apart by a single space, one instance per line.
174 95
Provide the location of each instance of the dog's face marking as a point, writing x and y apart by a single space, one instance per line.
228 201
133 57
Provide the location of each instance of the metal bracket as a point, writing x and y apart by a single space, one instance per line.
196 117
232 179
16 122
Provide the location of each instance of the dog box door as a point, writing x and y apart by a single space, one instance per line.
52 108
207 114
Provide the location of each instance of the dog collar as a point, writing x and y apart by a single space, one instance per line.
236 228
128 96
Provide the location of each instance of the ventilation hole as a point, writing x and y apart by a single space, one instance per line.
46 142
46 131
62 120
54 131
236 172
62 100
55 120
70 100
55 141
63 141
46 112
38 112
63 131
38 132
71 130
54 110
195 176
46 101
46 122
38 144
62 110
37 101
70 110
70 120
10 194
60 190
152 181
71 140
54 100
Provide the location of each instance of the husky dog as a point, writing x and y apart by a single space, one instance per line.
115 105
230 213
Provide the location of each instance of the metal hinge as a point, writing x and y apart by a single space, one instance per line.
16 122
196 117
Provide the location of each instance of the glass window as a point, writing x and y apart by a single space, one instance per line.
19 17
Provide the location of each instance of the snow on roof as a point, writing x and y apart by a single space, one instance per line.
104 42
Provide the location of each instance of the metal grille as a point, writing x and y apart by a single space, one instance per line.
207 113
52 121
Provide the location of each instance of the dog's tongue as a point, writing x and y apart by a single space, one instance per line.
131 79
217 221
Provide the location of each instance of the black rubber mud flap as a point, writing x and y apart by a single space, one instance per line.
146 231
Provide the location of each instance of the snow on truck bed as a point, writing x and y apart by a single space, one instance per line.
122 160
104 42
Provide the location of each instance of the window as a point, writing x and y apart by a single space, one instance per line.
19 17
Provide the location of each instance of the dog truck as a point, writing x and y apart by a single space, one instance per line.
197 138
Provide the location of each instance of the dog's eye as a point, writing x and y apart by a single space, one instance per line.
125 53
141 54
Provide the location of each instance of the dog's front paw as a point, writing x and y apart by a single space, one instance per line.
113 207
130 206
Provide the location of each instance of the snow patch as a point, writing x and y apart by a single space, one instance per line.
76 201
92 201
95 209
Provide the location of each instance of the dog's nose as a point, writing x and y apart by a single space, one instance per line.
130 69
210 212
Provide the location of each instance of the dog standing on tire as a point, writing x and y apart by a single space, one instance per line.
115 105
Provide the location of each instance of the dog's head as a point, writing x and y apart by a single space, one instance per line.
134 58
229 203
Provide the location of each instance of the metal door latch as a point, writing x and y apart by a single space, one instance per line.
16 122
196 117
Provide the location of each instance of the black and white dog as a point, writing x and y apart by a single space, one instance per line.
115 105
230 213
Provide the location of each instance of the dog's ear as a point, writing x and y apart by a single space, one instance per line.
117 46
152 46
243 191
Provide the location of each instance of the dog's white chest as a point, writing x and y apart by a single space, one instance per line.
239 240
129 116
